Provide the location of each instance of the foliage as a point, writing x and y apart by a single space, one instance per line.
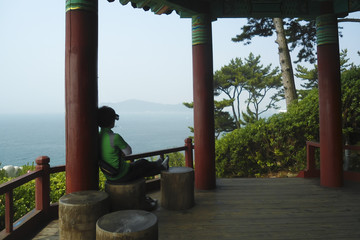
57 186
176 159
298 33
350 83
223 120
351 104
2 173
259 82
252 78
230 80
102 180
24 200
24 195
310 77
243 76
278 143
271 145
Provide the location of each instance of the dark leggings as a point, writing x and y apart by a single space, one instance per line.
140 169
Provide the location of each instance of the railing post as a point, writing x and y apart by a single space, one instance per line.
42 184
310 157
9 211
189 153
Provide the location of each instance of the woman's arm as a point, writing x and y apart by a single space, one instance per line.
127 150
122 145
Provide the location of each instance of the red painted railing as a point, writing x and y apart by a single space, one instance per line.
187 148
312 171
44 211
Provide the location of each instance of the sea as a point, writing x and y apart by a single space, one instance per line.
24 137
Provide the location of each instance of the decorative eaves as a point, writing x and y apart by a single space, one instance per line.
244 8
163 6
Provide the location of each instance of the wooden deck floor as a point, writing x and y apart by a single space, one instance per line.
270 208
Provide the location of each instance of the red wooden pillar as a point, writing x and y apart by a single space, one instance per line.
204 133
81 95
331 173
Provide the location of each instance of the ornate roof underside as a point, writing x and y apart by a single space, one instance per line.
243 8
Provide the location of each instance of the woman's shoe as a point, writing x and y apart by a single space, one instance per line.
150 204
165 163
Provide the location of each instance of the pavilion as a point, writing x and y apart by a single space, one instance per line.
81 91
81 96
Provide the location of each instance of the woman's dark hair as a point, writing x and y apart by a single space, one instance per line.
106 116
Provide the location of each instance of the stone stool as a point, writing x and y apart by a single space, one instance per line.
130 195
127 224
78 213
177 188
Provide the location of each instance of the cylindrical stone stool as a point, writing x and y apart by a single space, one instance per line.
78 213
177 188
127 225
130 195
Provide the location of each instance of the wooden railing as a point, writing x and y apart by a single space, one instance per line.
44 212
312 171
187 148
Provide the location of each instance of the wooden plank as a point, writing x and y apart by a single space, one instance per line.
281 209
266 209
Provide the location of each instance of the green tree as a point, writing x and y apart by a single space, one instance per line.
295 32
298 33
270 145
248 77
350 86
224 122
287 32
260 81
278 143
244 77
231 81
310 76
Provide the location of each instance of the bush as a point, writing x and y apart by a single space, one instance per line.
176 159
57 186
23 198
24 195
272 145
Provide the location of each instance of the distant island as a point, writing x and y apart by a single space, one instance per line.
134 106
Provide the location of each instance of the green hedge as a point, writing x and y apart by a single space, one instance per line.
272 145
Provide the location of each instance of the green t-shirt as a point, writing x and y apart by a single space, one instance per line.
111 145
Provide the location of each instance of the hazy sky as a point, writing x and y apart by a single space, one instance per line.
141 55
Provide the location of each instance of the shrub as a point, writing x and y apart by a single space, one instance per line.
24 195
23 198
266 146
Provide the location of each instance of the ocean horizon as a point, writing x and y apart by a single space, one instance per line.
24 137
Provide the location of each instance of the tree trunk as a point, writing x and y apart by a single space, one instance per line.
285 62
